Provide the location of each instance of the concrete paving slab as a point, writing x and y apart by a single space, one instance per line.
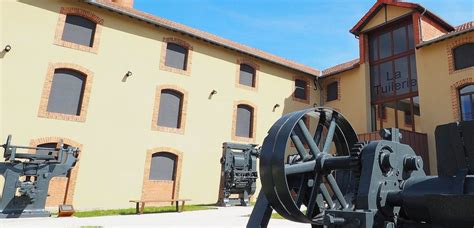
221 217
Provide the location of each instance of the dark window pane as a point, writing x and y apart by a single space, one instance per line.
464 56
411 39
414 77
163 166
467 89
386 80
247 75
467 107
399 40
374 81
385 45
66 93
79 30
373 49
244 121
408 118
170 109
176 56
332 91
402 82
300 89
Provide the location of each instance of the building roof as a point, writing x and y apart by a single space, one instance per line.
208 37
381 3
458 30
340 68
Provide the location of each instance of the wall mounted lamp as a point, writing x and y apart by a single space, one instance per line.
213 92
7 48
275 106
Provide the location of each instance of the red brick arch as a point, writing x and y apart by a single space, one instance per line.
61 189
455 96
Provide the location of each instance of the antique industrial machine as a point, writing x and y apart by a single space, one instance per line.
238 173
27 177
329 179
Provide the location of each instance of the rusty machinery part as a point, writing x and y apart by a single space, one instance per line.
299 164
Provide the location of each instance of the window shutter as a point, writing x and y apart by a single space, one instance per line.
300 89
66 92
244 121
170 109
176 56
79 30
163 166
464 56
332 91
247 75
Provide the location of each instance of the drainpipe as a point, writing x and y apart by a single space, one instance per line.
419 25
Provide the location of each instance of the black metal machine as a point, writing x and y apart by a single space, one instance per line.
329 179
238 173
27 177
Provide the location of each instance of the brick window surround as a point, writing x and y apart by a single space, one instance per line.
450 49
455 105
156 110
189 57
234 137
307 89
83 13
255 66
61 189
328 82
150 188
43 112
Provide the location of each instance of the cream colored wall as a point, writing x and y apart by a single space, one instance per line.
117 132
354 102
381 17
434 78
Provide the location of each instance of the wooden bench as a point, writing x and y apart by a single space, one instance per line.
141 207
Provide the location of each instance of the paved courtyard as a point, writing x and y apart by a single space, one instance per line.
221 217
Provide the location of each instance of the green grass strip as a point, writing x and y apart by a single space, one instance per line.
147 210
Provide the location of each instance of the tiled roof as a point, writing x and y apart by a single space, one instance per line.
340 68
458 30
465 26
379 5
211 38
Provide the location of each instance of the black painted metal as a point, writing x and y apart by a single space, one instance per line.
27 178
378 184
285 180
238 173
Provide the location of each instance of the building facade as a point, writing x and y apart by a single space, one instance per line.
150 101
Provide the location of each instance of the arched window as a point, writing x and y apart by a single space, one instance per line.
79 30
170 111
244 122
332 91
466 98
67 91
247 75
464 56
176 56
301 91
163 166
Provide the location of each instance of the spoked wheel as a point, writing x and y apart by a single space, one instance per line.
308 165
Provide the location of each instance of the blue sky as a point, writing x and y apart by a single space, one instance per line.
311 32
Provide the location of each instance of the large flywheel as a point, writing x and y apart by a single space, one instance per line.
305 164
